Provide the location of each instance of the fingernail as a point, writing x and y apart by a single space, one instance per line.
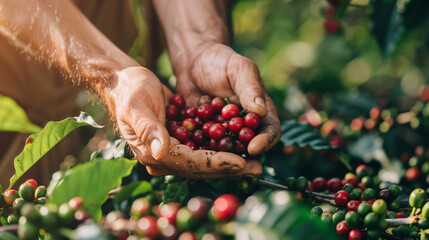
260 102
155 146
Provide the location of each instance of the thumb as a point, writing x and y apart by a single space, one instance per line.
247 84
151 133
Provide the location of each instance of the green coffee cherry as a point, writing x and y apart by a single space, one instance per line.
13 218
371 220
424 223
348 187
425 211
291 183
26 191
355 194
417 198
338 217
301 184
317 211
394 191
26 230
364 209
352 219
391 215
40 191
394 205
369 193
379 207
326 217
18 203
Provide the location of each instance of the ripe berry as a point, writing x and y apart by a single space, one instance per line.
198 137
171 112
217 131
204 147
199 207
385 195
190 144
140 207
353 181
318 184
353 205
147 227
362 170
235 124
225 207
341 198
245 135
198 122
181 134
32 182
10 195
178 101
206 127
334 185
219 118
252 120
342 228
355 234
205 99
190 112
189 124
213 145
169 211
240 147
217 104
75 203
205 112
230 111
412 174
226 144
331 26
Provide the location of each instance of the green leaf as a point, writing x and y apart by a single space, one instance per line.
132 190
303 134
13 117
176 192
92 181
37 145
8 236
278 216
387 26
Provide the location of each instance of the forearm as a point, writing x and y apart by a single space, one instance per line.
56 32
188 24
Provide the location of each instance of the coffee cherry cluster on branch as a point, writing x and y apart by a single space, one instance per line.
171 221
212 125
30 209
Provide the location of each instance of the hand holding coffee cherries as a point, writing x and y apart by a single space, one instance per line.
213 125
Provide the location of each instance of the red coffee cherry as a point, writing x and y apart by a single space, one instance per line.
171 125
226 144
240 147
190 144
342 228
355 234
198 122
334 185
230 111
147 226
341 198
169 211
206 127
225 207
171 112
190 112
213 145
178 101
235 124
198 137
217 104
245 135
205 99
217 131
353 205
181 134
331 26
205 112
319 184
189 123
219 118
252 120
32 182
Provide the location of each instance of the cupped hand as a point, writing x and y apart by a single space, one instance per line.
217 70
138 104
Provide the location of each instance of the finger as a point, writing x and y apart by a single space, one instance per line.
253 169
247 84
270 132
150 131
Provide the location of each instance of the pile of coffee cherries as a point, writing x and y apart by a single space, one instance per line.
171 221
212 125
29 208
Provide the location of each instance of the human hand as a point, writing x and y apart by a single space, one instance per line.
216 69
138 103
